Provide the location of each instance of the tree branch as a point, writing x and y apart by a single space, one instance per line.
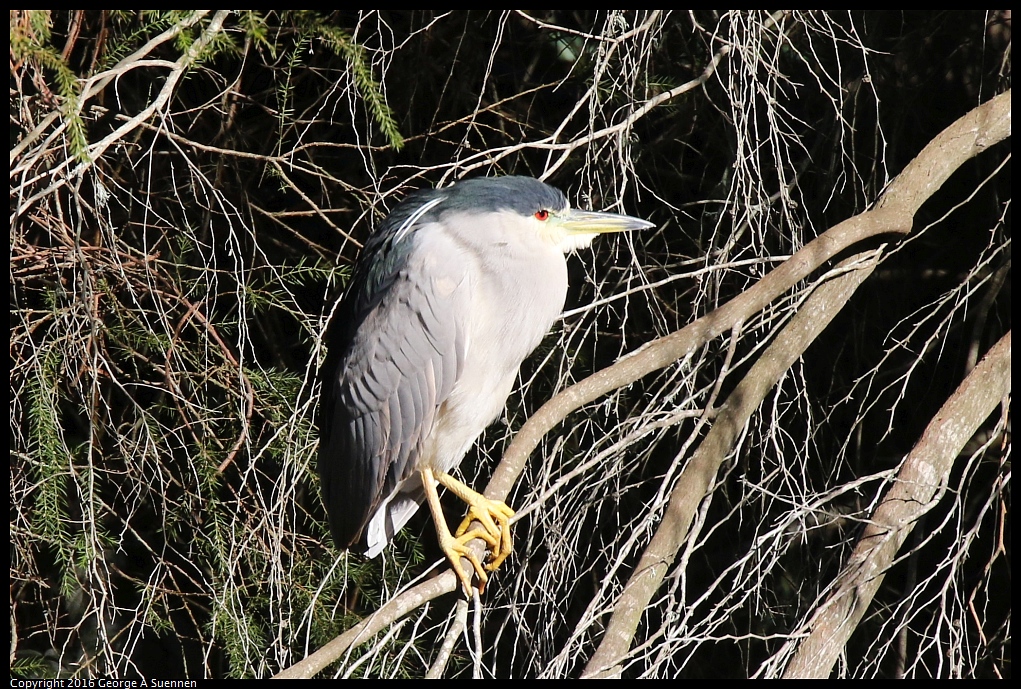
916 490
968 136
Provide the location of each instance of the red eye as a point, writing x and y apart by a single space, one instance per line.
542 216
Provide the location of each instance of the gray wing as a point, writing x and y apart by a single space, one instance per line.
400 348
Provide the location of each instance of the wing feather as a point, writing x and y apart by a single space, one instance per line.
395 355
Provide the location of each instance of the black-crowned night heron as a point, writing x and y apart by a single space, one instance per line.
451 293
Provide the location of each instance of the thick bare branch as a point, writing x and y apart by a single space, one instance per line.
395 609
918 487
693 485
666 350
959 142
965 138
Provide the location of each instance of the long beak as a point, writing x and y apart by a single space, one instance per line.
579 228
578 222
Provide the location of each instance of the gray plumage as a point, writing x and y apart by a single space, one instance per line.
453 290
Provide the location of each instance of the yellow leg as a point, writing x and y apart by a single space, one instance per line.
454 547
493 515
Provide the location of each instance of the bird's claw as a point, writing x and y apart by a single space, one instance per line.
487 519
493 519
457 548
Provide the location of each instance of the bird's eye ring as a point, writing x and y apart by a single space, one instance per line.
542 215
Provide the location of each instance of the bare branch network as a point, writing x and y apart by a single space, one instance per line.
769 438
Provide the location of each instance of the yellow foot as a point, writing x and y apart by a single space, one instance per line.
492 525
494 518
456 548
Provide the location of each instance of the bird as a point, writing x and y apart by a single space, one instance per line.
450 294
